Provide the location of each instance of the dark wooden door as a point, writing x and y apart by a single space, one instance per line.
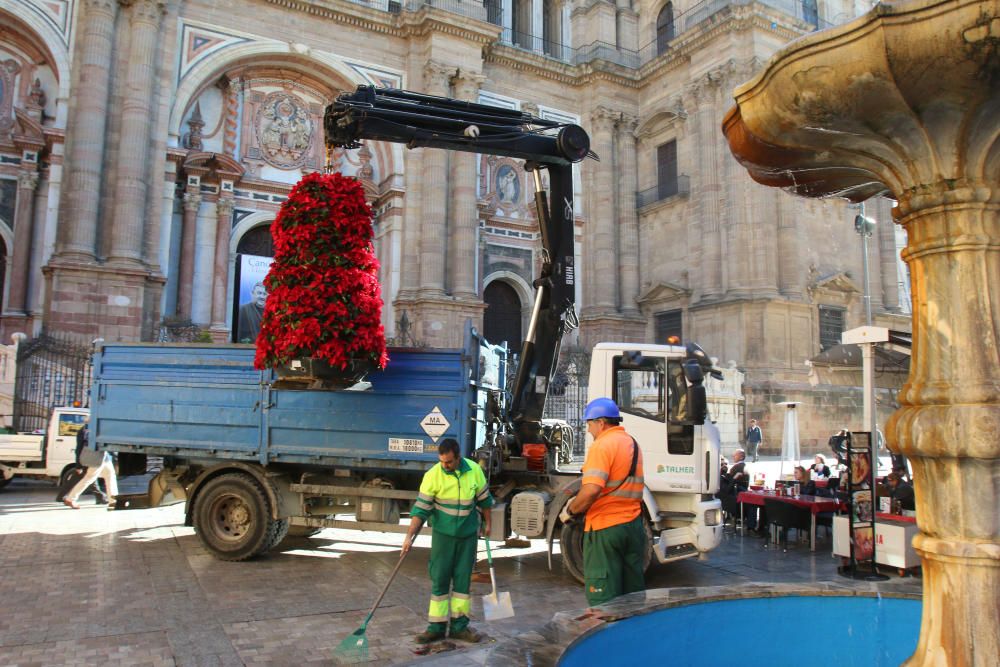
502 320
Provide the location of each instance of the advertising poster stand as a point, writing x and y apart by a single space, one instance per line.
861 471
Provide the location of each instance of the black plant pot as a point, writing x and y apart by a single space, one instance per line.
319 374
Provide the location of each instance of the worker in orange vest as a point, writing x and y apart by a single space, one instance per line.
614 539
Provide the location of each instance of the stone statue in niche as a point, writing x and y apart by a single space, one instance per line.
284 130
507 185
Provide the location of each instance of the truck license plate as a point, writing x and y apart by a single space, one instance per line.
407 445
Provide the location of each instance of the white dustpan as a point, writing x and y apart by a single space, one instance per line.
496 606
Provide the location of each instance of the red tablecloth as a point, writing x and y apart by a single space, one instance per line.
882 516
814 504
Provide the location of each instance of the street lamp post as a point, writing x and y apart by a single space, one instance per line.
865 226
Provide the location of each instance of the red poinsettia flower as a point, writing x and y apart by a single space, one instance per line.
324 298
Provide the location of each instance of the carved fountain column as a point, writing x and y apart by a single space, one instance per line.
906 101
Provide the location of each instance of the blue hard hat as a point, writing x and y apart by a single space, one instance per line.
601 407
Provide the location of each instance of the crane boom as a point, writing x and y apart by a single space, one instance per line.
419 120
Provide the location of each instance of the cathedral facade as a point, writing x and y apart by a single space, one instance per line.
147 145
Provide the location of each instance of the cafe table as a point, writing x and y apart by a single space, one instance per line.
815 505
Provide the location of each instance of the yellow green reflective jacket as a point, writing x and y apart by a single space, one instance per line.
448 500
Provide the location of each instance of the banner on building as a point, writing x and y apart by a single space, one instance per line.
249 296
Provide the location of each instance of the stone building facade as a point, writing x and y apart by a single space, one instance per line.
146 144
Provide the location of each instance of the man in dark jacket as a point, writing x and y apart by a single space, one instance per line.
754 439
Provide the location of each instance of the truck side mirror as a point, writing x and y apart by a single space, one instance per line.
696 397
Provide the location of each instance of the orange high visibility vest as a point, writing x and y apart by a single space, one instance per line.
607 465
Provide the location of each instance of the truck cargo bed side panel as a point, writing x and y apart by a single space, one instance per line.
183 397
208 400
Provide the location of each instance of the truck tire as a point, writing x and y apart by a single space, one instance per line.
232 517
571 545
279 531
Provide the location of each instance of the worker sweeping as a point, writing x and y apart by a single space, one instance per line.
453 495
614 541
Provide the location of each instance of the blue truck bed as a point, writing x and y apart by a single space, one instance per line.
207 401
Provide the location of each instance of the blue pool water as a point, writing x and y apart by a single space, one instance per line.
798 631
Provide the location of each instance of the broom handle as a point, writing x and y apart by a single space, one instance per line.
489 558
386 587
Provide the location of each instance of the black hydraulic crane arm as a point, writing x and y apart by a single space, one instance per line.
418 120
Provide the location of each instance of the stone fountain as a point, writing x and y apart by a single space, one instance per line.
905 101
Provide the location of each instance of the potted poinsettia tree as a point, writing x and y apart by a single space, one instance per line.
322 319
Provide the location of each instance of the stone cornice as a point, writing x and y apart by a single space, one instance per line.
429 20
556 70
346 13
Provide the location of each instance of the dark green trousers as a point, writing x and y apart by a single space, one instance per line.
452 559
613 561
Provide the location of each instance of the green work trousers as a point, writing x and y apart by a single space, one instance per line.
613 561
450 568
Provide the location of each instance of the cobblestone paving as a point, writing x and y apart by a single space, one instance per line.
136 588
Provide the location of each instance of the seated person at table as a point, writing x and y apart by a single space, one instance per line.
735 478
807 487
901 491
820 469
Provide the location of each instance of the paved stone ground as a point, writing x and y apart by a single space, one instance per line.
136 588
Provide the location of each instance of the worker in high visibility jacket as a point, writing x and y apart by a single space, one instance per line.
453 495
614 539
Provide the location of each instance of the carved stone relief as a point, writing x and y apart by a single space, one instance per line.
284 130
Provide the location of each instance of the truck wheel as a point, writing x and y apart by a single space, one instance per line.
232 517
571 545
279 531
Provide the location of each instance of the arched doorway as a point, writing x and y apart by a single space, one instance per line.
502 319
257 242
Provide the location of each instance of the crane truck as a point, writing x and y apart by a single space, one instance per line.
252 458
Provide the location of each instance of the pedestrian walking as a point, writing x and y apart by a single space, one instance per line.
614 538
98 465
754 439
453 495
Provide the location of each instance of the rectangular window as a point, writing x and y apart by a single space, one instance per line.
680 435
831 325
639 387
667 323
70 424
666 169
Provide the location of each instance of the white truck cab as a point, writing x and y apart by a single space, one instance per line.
46 455
680 456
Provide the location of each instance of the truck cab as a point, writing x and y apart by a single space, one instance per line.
680 448
44 456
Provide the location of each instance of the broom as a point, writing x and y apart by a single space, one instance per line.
354 648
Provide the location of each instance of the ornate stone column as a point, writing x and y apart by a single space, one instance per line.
185 272
703 94
85 157
220 274
24 217
837 113
435 194
628 227
137 110
600 232
464 212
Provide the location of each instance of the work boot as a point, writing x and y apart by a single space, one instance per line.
467 635
428 636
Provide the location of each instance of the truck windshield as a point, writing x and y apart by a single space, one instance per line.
639 387
70 424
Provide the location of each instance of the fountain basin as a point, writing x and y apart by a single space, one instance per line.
840 622
789 630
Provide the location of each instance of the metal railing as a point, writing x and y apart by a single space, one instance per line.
679 188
